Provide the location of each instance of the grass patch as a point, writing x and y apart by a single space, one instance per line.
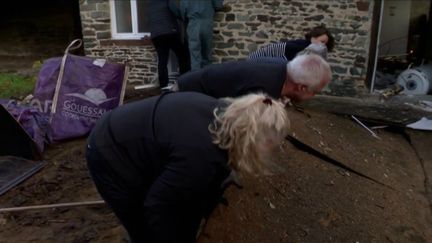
15 86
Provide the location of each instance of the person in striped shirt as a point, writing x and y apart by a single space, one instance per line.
286 50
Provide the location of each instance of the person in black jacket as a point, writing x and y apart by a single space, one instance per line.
298 80
166 35
287 50
160 163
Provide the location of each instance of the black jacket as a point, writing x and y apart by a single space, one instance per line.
233 79
140 140
162 20
158 153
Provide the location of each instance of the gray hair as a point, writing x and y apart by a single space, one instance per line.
247 123
310 70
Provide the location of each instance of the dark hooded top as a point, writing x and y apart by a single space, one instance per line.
233 79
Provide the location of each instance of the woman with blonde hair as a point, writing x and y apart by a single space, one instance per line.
249 126
160 163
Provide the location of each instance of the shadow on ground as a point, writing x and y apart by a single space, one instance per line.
378 192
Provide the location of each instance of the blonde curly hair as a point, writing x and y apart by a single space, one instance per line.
245 125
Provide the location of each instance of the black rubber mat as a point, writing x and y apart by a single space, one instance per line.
14 170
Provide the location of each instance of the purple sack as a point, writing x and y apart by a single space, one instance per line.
35 123
76 91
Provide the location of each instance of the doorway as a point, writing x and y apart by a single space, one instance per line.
403 56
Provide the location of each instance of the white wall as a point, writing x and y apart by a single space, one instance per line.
394 28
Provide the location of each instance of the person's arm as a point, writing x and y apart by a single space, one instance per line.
292 48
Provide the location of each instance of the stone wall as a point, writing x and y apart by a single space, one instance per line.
139 55
246 26
253 23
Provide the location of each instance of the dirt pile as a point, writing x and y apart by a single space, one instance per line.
378 193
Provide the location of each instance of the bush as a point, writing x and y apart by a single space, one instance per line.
15 86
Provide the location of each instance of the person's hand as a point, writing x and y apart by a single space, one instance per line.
232 179
286 101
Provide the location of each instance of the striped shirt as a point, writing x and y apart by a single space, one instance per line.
272 50
285 50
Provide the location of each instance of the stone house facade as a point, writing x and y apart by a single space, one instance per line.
248 25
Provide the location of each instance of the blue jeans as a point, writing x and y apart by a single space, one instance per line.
200 40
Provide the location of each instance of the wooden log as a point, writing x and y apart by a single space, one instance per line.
397 110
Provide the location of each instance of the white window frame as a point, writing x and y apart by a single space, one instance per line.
134 35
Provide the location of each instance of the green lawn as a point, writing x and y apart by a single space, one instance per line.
14 86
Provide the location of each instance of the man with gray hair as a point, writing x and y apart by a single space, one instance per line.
298 80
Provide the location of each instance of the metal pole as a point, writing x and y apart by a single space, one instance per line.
46 206
377 47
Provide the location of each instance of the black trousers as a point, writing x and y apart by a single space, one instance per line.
115 194
156 223
163 45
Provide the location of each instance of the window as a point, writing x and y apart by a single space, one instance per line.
128 19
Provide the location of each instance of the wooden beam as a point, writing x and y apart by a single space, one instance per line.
48 206
398 110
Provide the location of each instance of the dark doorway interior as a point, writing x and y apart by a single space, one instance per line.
35 30
404 52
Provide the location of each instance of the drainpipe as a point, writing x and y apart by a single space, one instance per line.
377 47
